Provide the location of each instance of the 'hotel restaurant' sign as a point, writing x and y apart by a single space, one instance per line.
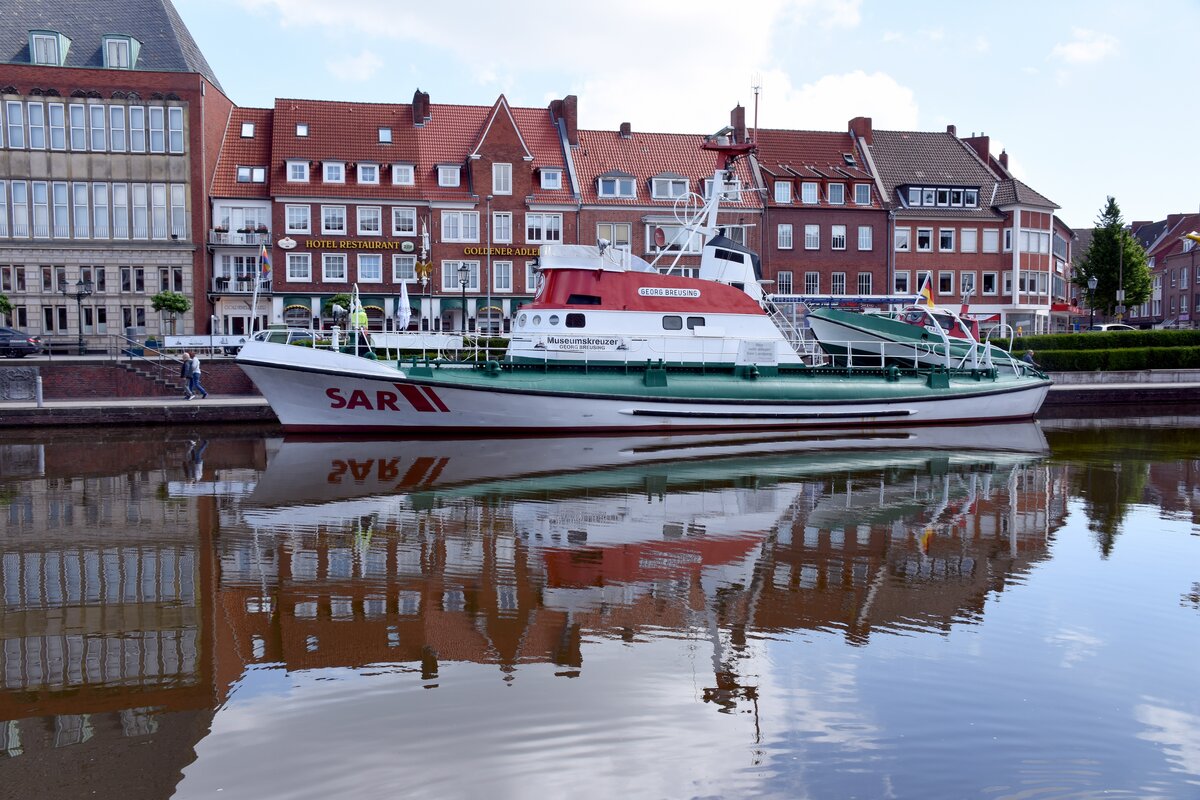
408 247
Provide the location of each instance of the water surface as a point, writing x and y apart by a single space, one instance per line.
1002 612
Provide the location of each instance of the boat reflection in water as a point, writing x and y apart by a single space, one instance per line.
421 553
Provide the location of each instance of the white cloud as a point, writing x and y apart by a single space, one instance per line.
833 100
1085 47
1177 732
359 68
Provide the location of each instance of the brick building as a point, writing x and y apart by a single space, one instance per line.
110 126
1175 294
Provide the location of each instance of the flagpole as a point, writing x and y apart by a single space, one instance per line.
254 295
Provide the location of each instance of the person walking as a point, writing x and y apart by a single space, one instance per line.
185 372
194 386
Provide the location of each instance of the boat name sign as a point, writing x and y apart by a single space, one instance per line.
584 343
663 291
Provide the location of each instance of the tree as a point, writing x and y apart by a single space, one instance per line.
1117 260
5 305
172 303
342 300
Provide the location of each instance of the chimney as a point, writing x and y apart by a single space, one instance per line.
981 144
1004 158
737 121
861 128
952 130
570 115
626 131
420 107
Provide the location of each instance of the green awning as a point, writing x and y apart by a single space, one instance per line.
451 303
297 300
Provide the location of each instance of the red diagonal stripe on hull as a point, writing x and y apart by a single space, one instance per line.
416 473
413 395
437 401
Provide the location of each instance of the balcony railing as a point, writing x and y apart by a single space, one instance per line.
238 239
239 284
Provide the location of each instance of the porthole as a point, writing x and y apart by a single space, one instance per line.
554 319
523 319
537 319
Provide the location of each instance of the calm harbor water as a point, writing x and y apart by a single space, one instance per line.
999 612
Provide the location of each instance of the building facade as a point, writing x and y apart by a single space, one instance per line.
110 128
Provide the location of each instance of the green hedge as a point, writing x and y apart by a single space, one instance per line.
1131 358
1107 340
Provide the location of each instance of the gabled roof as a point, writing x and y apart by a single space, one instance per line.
811 155
166 43
643 156
237 150
921 158
342 131
1171 241
1012 192
500 108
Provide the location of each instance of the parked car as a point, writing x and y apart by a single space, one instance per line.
1111 326
18 344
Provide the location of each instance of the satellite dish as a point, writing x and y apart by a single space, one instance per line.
660 237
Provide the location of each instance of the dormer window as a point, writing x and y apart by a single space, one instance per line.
449 175
302 129
783 191
552 179
368 173
247 130
120 52
297 171
403 174
616 186
334 172
668 187
862 194
48 48
837 194
943 197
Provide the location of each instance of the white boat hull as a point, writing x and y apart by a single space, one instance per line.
312 390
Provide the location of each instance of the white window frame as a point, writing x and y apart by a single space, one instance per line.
622 242
372 262
137 130
928 247
36 114
810 193
40 44
866 238
945 282
995 281
403 174
502 225
615 186
731 191
404 221
812 237
450 270
968 240
862 194
116 128
297 213
502 277
837 283
783 192
56 117
368 173
837 237
901 282
247 130
551 179
502 178
812 282
1008 240
385 135
449 175
369 220
460 226
543 228
668 188
991 241
836 193
97 128
404 268
866 283
329 262
965 278
943 233
784 281
298 267
77 125
297 171
174 129
532 278
902 240
333 172
118 52
302 129
325 228
783 236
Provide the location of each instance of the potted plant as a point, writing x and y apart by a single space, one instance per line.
261 228
221 228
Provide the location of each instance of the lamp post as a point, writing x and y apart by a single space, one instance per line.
488 275
463 273
81 290
1091 301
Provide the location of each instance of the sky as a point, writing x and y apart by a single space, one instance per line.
1089 99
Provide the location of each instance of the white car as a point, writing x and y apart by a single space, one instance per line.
1111 326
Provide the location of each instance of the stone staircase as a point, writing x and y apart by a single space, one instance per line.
165 380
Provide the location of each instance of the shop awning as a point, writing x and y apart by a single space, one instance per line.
450 303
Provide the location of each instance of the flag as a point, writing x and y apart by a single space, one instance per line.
404 312
264 256
927 292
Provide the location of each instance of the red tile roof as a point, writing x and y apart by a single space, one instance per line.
238 151
644 156
811 154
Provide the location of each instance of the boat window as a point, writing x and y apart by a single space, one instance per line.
583 300
695 322
575 320
537 319
554 319
521 321
729 255
672 323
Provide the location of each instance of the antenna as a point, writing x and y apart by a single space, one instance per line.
756 85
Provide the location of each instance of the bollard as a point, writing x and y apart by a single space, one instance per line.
37 390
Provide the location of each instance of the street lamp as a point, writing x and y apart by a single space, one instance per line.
464 272
1091 301
81 290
